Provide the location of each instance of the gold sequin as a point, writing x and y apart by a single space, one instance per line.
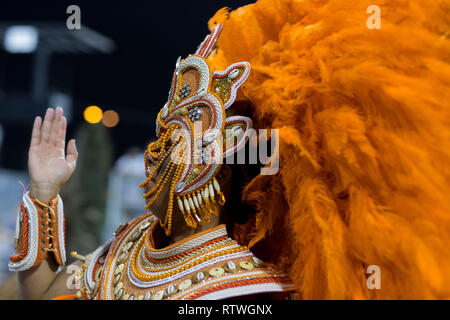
127 246
185 284
118 287
144 226
119 269
159 295
216 272
247 265
231 267
119 294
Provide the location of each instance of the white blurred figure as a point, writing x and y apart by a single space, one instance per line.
124 201
10 190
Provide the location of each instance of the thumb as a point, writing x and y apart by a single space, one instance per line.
72 153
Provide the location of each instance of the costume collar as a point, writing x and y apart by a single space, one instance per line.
188 244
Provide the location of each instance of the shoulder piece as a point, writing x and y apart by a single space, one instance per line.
92 269
207 265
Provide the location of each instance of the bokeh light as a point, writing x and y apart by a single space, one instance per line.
93 114
110 118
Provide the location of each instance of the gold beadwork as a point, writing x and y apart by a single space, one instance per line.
216 272
186 284
167 225
189 257
247 265
145 277
197 206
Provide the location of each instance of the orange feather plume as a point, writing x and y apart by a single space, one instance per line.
364 122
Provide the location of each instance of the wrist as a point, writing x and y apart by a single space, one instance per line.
43 191
39 232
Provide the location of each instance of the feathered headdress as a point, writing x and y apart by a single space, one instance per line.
364 125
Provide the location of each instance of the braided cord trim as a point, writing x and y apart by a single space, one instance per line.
32 237
245 287
30 230
93 262
61 231
22 219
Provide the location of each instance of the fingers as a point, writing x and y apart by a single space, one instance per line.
72 153
36 133
53 128
61 136
56 126
47 125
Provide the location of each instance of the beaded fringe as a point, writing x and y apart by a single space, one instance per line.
197 206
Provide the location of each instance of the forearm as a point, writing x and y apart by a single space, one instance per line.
40 247
35 282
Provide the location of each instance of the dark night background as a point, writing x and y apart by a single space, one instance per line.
133 80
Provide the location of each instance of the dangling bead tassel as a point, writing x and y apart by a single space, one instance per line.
168 220
197 208
201 206
213 209
187 211
199 199
205 193
219 192
167 225
195 200
188 218
193 209
182 209
211 193
180 205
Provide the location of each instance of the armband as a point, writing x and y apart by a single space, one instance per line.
39 230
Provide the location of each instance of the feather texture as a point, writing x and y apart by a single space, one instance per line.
364 120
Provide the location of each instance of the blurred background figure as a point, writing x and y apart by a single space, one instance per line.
86 192
124 200
11 189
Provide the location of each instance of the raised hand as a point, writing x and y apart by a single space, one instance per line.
48 163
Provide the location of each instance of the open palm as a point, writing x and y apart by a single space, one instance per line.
48 163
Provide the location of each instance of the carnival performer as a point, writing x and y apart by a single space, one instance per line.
359 209
181 248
